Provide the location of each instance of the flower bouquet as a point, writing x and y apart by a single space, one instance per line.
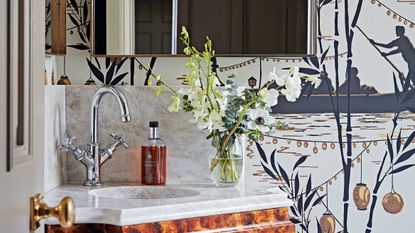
229 113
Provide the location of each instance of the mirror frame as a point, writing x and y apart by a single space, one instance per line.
57 28
312 23
19 73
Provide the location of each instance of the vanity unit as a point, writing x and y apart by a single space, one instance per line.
173 208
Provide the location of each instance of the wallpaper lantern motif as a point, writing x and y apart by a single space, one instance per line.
90 82
315 149
361 196
327 223
252 82
392 202
64 80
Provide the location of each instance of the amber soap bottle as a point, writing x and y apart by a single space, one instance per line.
153 158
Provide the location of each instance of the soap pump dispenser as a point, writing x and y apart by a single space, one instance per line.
153 158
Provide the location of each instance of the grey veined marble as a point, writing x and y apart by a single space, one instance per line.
207 200
55 162
143 192
188 150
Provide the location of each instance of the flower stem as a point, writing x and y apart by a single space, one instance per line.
230 134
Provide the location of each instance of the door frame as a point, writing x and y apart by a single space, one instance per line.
26 178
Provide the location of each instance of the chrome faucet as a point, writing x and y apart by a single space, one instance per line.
95 157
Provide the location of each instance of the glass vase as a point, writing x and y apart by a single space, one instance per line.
226 165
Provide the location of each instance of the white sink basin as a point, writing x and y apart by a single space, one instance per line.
143 192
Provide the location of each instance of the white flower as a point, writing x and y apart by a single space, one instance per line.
211 122
280 80
270 97
199 113
272 75
292 89
294 71
259 119
223 102
315 81
240 91
186 91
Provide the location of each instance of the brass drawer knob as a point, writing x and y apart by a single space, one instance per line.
64 211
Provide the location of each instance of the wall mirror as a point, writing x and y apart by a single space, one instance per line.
237 27
55 27
19 83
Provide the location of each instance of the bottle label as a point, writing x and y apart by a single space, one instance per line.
149 165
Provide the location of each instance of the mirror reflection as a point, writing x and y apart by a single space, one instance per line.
237 27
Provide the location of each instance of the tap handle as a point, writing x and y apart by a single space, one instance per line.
119 139
67 141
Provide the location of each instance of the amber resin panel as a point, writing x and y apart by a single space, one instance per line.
261 221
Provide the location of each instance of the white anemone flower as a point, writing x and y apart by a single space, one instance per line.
259 119
270 97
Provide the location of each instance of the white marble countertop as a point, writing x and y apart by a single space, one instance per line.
202 200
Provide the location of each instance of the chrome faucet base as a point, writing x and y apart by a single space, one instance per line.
93 183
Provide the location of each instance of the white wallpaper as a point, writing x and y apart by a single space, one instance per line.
378 22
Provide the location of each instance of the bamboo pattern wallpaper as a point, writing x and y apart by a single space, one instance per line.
345 153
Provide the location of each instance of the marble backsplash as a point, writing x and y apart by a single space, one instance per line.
188 150
55 161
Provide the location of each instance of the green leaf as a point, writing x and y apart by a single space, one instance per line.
149 82
158 91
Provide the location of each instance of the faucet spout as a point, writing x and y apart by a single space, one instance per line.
96 100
